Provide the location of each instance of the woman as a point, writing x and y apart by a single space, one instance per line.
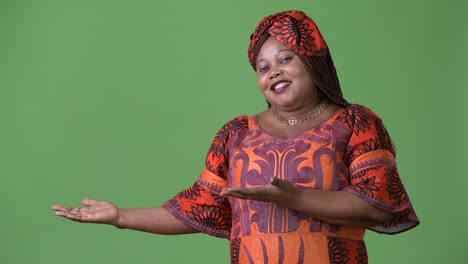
297 183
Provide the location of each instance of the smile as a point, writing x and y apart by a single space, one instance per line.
279 85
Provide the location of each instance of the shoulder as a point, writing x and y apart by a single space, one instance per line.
227 131
233 126
366 126
237 123
216 159
356 111
359 118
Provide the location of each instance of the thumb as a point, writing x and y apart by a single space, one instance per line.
282 184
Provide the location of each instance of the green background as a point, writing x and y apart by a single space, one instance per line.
119 100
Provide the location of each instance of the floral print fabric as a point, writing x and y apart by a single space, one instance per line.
351 151
292 28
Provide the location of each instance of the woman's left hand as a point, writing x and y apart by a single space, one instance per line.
276 191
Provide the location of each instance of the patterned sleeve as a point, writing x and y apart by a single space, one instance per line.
200 206
373 173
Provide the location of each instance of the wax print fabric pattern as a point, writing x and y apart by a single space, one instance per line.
351 151
294 29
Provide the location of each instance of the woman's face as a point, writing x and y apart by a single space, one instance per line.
283 78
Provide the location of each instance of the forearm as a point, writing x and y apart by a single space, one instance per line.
154 220
338 207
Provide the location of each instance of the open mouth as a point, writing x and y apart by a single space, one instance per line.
279 86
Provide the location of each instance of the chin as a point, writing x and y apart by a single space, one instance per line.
283 104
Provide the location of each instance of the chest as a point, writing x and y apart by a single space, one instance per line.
310 159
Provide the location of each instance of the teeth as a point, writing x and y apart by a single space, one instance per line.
281 85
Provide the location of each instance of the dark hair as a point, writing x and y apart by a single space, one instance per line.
324 76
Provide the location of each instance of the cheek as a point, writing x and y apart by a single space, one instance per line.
261 84
302 75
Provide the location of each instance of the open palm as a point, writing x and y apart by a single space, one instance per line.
92 212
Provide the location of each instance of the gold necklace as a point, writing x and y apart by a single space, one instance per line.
307 116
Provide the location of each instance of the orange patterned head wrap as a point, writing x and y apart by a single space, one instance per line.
292 28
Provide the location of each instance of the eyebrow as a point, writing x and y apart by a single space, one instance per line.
276 55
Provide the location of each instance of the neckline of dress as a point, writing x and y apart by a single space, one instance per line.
332 117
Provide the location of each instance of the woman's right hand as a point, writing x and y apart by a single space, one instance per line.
100 212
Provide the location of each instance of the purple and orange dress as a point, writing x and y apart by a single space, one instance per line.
350 151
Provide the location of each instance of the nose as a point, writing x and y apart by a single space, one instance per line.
275 72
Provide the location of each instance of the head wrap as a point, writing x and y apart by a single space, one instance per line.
292 28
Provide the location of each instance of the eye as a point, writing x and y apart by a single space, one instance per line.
285 59
263 69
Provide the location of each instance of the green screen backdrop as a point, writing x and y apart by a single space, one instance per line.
119 101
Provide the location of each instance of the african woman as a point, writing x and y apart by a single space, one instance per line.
299 182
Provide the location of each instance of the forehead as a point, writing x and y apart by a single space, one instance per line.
271 48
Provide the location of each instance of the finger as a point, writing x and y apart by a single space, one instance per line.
78 214
88 202
280 183
60 208
225 191
65 214
60 213
69 215
75 210
228 191
234 192
239 195
57 207
247 191
256 193
275 181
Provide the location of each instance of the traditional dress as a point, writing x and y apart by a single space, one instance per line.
350 151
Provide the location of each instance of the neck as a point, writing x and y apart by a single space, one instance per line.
316 111
295 111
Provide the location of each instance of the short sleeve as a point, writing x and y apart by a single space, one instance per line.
201 206
373 172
